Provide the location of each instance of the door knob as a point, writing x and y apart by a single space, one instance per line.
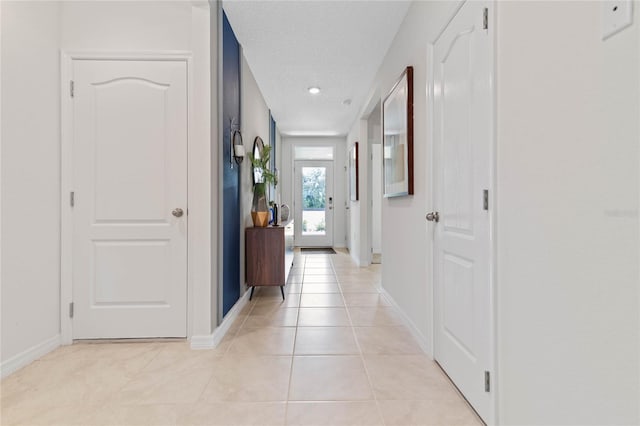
433 217
177 212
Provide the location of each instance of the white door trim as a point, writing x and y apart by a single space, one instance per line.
493 414
329 209
66 169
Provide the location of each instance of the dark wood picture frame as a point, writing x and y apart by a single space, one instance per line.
354 184
397 140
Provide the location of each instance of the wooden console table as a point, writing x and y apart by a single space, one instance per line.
268 256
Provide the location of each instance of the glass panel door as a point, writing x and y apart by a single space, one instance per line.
314 203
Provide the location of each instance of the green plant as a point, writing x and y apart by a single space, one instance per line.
261 164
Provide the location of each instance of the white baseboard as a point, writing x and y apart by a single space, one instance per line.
360 262
25 358
421 339
212 340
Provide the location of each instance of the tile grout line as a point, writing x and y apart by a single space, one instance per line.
226 350
302 408
293 350
361 353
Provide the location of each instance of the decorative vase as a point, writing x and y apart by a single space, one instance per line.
284 212
259 207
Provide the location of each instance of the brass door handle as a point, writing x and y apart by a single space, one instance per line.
177 212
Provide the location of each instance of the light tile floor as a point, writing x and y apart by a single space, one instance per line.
334 353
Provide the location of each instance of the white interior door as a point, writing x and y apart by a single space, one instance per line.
462 256
130 177
314 203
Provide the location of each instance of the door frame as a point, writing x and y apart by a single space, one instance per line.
430 230
66 174
376 102
329 233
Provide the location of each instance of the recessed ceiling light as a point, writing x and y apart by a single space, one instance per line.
314 90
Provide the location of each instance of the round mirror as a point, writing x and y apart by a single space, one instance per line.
258 146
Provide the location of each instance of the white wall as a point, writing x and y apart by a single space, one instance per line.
567 209
358 213
255 122
376 198
406 269
126 25
568 108
374 180
32 35
30 156
339 181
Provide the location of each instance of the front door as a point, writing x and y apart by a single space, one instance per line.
462 245
130 199
314 203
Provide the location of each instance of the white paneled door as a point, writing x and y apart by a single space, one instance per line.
130 202
462 173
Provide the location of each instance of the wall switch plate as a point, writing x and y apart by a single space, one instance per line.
616 16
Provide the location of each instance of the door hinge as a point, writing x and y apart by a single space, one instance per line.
487 381
71 310
72 88
485 199
72 198
485 19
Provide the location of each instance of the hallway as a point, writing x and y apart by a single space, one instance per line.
334 353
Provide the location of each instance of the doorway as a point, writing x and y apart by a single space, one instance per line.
462 179
374 135
128 139
313 203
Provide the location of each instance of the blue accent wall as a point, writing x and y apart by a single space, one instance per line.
231 178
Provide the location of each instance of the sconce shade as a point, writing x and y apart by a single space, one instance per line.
238 147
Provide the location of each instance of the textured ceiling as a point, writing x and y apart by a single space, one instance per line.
335 45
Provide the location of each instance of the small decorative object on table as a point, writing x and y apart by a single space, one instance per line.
284 213
274 213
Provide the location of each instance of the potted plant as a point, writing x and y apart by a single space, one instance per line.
262 177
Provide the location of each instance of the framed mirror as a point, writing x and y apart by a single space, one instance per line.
258 146
397 123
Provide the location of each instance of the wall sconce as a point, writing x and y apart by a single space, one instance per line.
237 147
236 150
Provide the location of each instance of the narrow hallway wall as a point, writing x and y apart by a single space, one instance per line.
568 272
567 283
255 122
30 178
406 270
